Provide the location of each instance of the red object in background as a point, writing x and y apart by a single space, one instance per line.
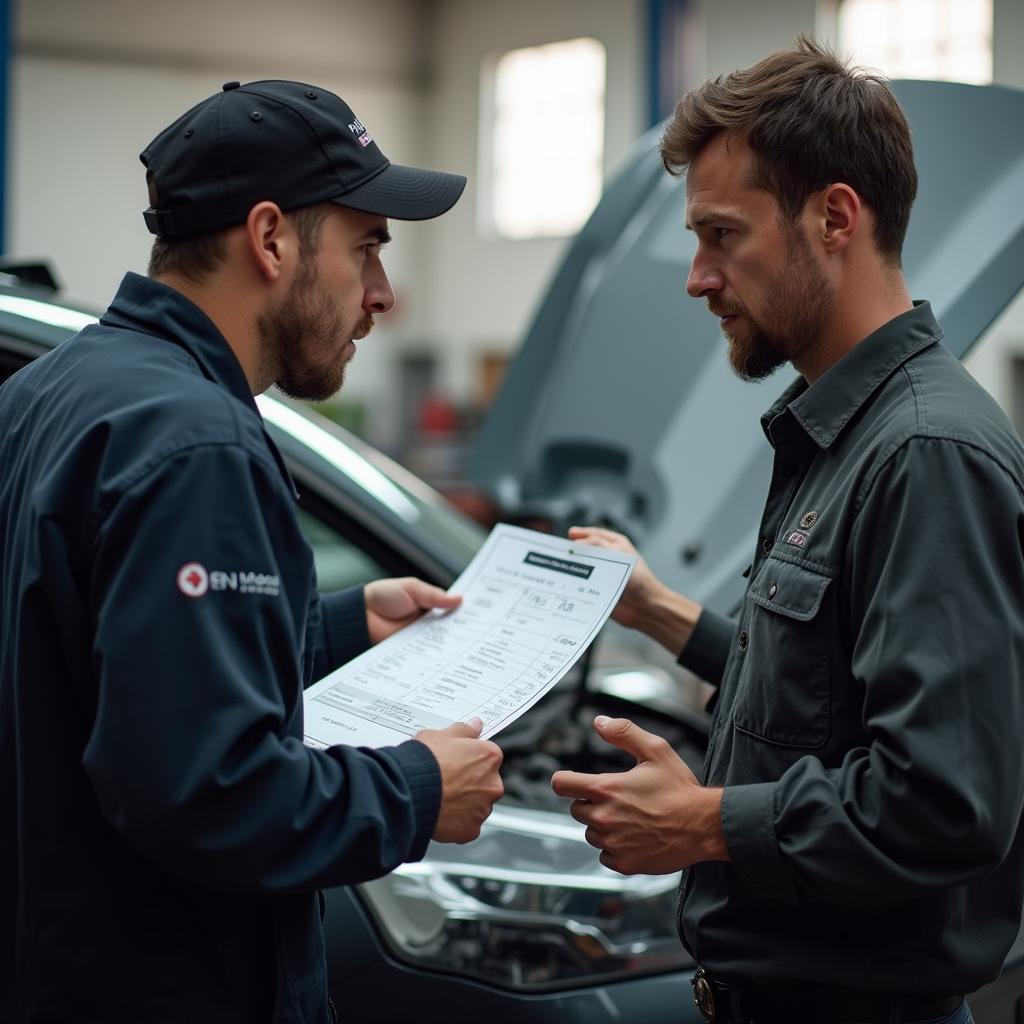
437 415
475 504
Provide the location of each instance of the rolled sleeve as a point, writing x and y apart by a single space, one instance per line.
748 823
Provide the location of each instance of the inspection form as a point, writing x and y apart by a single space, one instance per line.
531 604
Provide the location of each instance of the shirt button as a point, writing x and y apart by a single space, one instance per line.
744 640
772 590
766 545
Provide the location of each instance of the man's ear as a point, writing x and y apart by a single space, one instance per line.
842 217
269 239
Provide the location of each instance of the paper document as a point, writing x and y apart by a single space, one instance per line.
531 604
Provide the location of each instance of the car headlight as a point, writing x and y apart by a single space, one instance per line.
528 906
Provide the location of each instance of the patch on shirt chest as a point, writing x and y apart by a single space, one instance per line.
798 538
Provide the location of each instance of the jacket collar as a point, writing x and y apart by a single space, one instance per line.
143 304
824 408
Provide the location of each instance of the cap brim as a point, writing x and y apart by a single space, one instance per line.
406 193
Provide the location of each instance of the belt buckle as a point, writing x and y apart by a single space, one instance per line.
702 995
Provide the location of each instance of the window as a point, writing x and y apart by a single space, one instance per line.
542 139
949 40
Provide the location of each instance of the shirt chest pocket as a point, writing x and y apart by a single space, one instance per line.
783 690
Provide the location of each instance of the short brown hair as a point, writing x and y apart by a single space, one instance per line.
196 258
811 121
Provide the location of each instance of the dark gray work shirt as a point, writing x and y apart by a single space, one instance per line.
164 829
871 693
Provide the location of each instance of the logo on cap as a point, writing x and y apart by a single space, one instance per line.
358 129
193 580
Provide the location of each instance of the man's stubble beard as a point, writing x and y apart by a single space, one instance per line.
300 339
803 301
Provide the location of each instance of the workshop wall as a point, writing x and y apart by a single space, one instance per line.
93 81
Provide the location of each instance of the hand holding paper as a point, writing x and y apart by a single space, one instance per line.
470 783
531 604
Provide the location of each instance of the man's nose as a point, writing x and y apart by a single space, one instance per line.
703 277
379 296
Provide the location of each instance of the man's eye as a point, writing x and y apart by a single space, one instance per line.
720 233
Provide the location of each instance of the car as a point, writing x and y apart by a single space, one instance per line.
525 921
524 915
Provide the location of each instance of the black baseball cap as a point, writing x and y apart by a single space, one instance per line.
287 142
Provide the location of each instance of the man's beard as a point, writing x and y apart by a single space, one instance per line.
303 337
802 302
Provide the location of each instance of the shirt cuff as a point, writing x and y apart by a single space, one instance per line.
343 625
422 775
748 824
707 650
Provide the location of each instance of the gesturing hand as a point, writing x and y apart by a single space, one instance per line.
654 818
394 603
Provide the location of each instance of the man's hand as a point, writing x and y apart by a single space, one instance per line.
643 586
392 604
646 603
470 783
653 819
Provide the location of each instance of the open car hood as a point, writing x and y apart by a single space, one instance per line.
621 409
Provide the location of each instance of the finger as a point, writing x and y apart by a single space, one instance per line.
468 836
626 735
496 751
426 595
470 729
595 535
582 811
593 837
608 860
603 536
574 784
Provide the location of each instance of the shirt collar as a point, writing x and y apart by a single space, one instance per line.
143 304
824 408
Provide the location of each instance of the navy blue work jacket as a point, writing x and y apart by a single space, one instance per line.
164 829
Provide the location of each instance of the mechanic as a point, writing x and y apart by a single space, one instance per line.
165 829
855 851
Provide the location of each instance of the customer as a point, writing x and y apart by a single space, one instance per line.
855 851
